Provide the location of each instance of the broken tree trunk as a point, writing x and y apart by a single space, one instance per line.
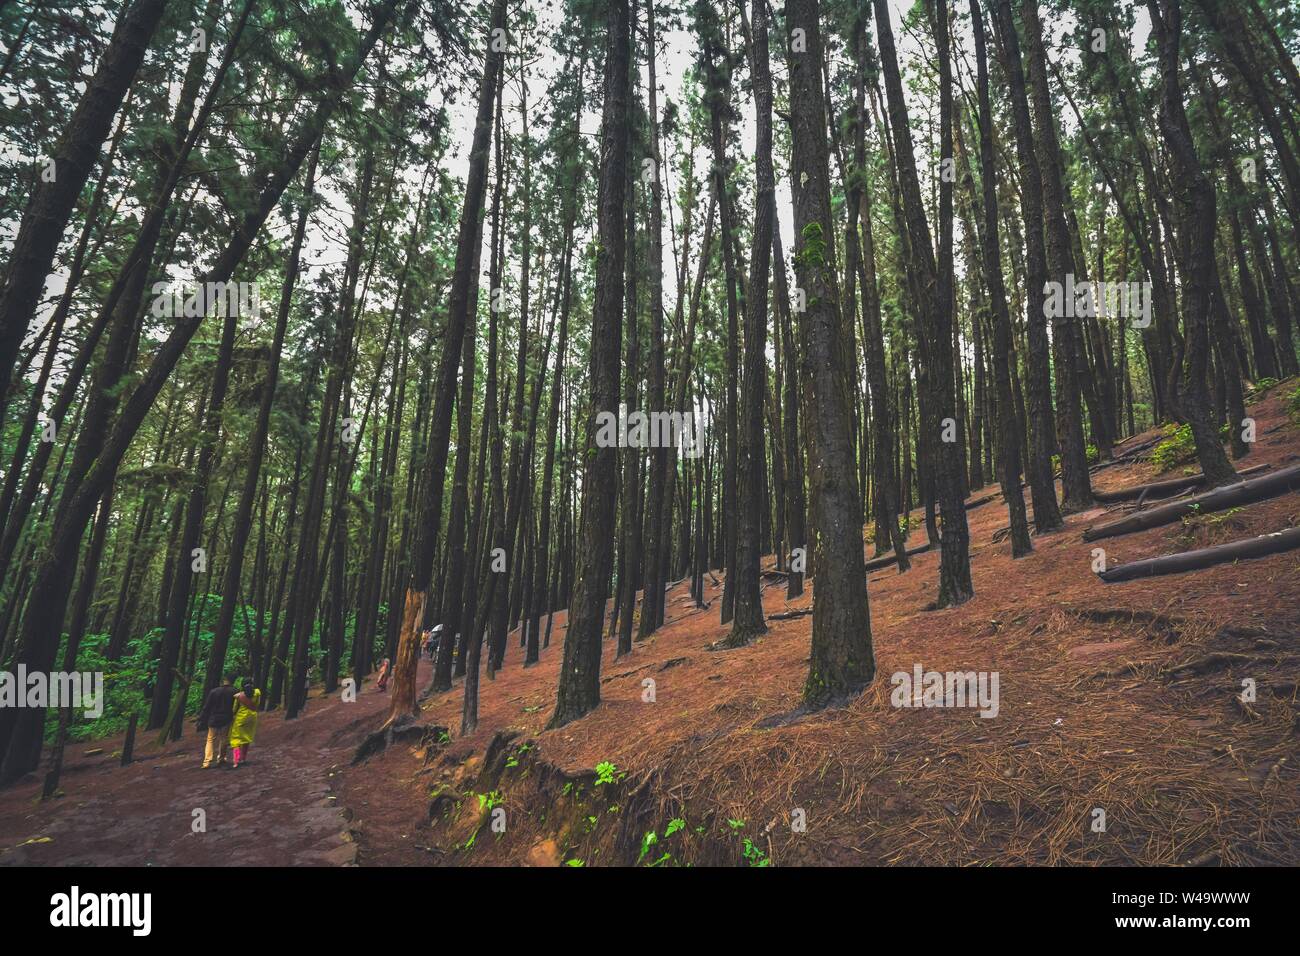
1162 489
1259 547
1239 493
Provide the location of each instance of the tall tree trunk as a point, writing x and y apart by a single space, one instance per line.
932 287
463 288
1007 427
1038 383
1194 204
1066 337
579 683
748 622
657 528
73 158
842 663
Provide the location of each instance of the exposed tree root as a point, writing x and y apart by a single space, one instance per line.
404 729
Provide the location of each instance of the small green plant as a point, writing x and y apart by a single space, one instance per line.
735 824
647 841
574 862
488 801
607 772
674 825
754 855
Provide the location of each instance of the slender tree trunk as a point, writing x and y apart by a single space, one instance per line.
748 622
842 662
579 684
1003 357
463 288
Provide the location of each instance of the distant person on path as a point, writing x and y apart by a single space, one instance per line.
244 726
431 641
382 684
215 718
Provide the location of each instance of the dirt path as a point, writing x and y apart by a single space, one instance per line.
278 810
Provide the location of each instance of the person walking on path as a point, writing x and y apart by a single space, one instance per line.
243 727
215 718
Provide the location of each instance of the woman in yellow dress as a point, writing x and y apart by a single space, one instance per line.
244 726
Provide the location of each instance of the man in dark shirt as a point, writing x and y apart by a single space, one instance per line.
215 718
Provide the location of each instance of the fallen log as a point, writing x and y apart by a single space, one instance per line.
1259 547
1228 496
1162 489
1149 442
790 615
972 505
1130 456
1125 441
875 564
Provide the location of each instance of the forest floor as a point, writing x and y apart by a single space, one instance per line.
277 810
1120 698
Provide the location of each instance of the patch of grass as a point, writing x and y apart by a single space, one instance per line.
1177 447
1263 387
1201 530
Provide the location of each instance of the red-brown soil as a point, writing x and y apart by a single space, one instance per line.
1095 714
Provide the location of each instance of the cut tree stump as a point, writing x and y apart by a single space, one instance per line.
1162 489
1228 496
1259 547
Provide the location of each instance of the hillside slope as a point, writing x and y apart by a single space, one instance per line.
1122 698
1094 714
